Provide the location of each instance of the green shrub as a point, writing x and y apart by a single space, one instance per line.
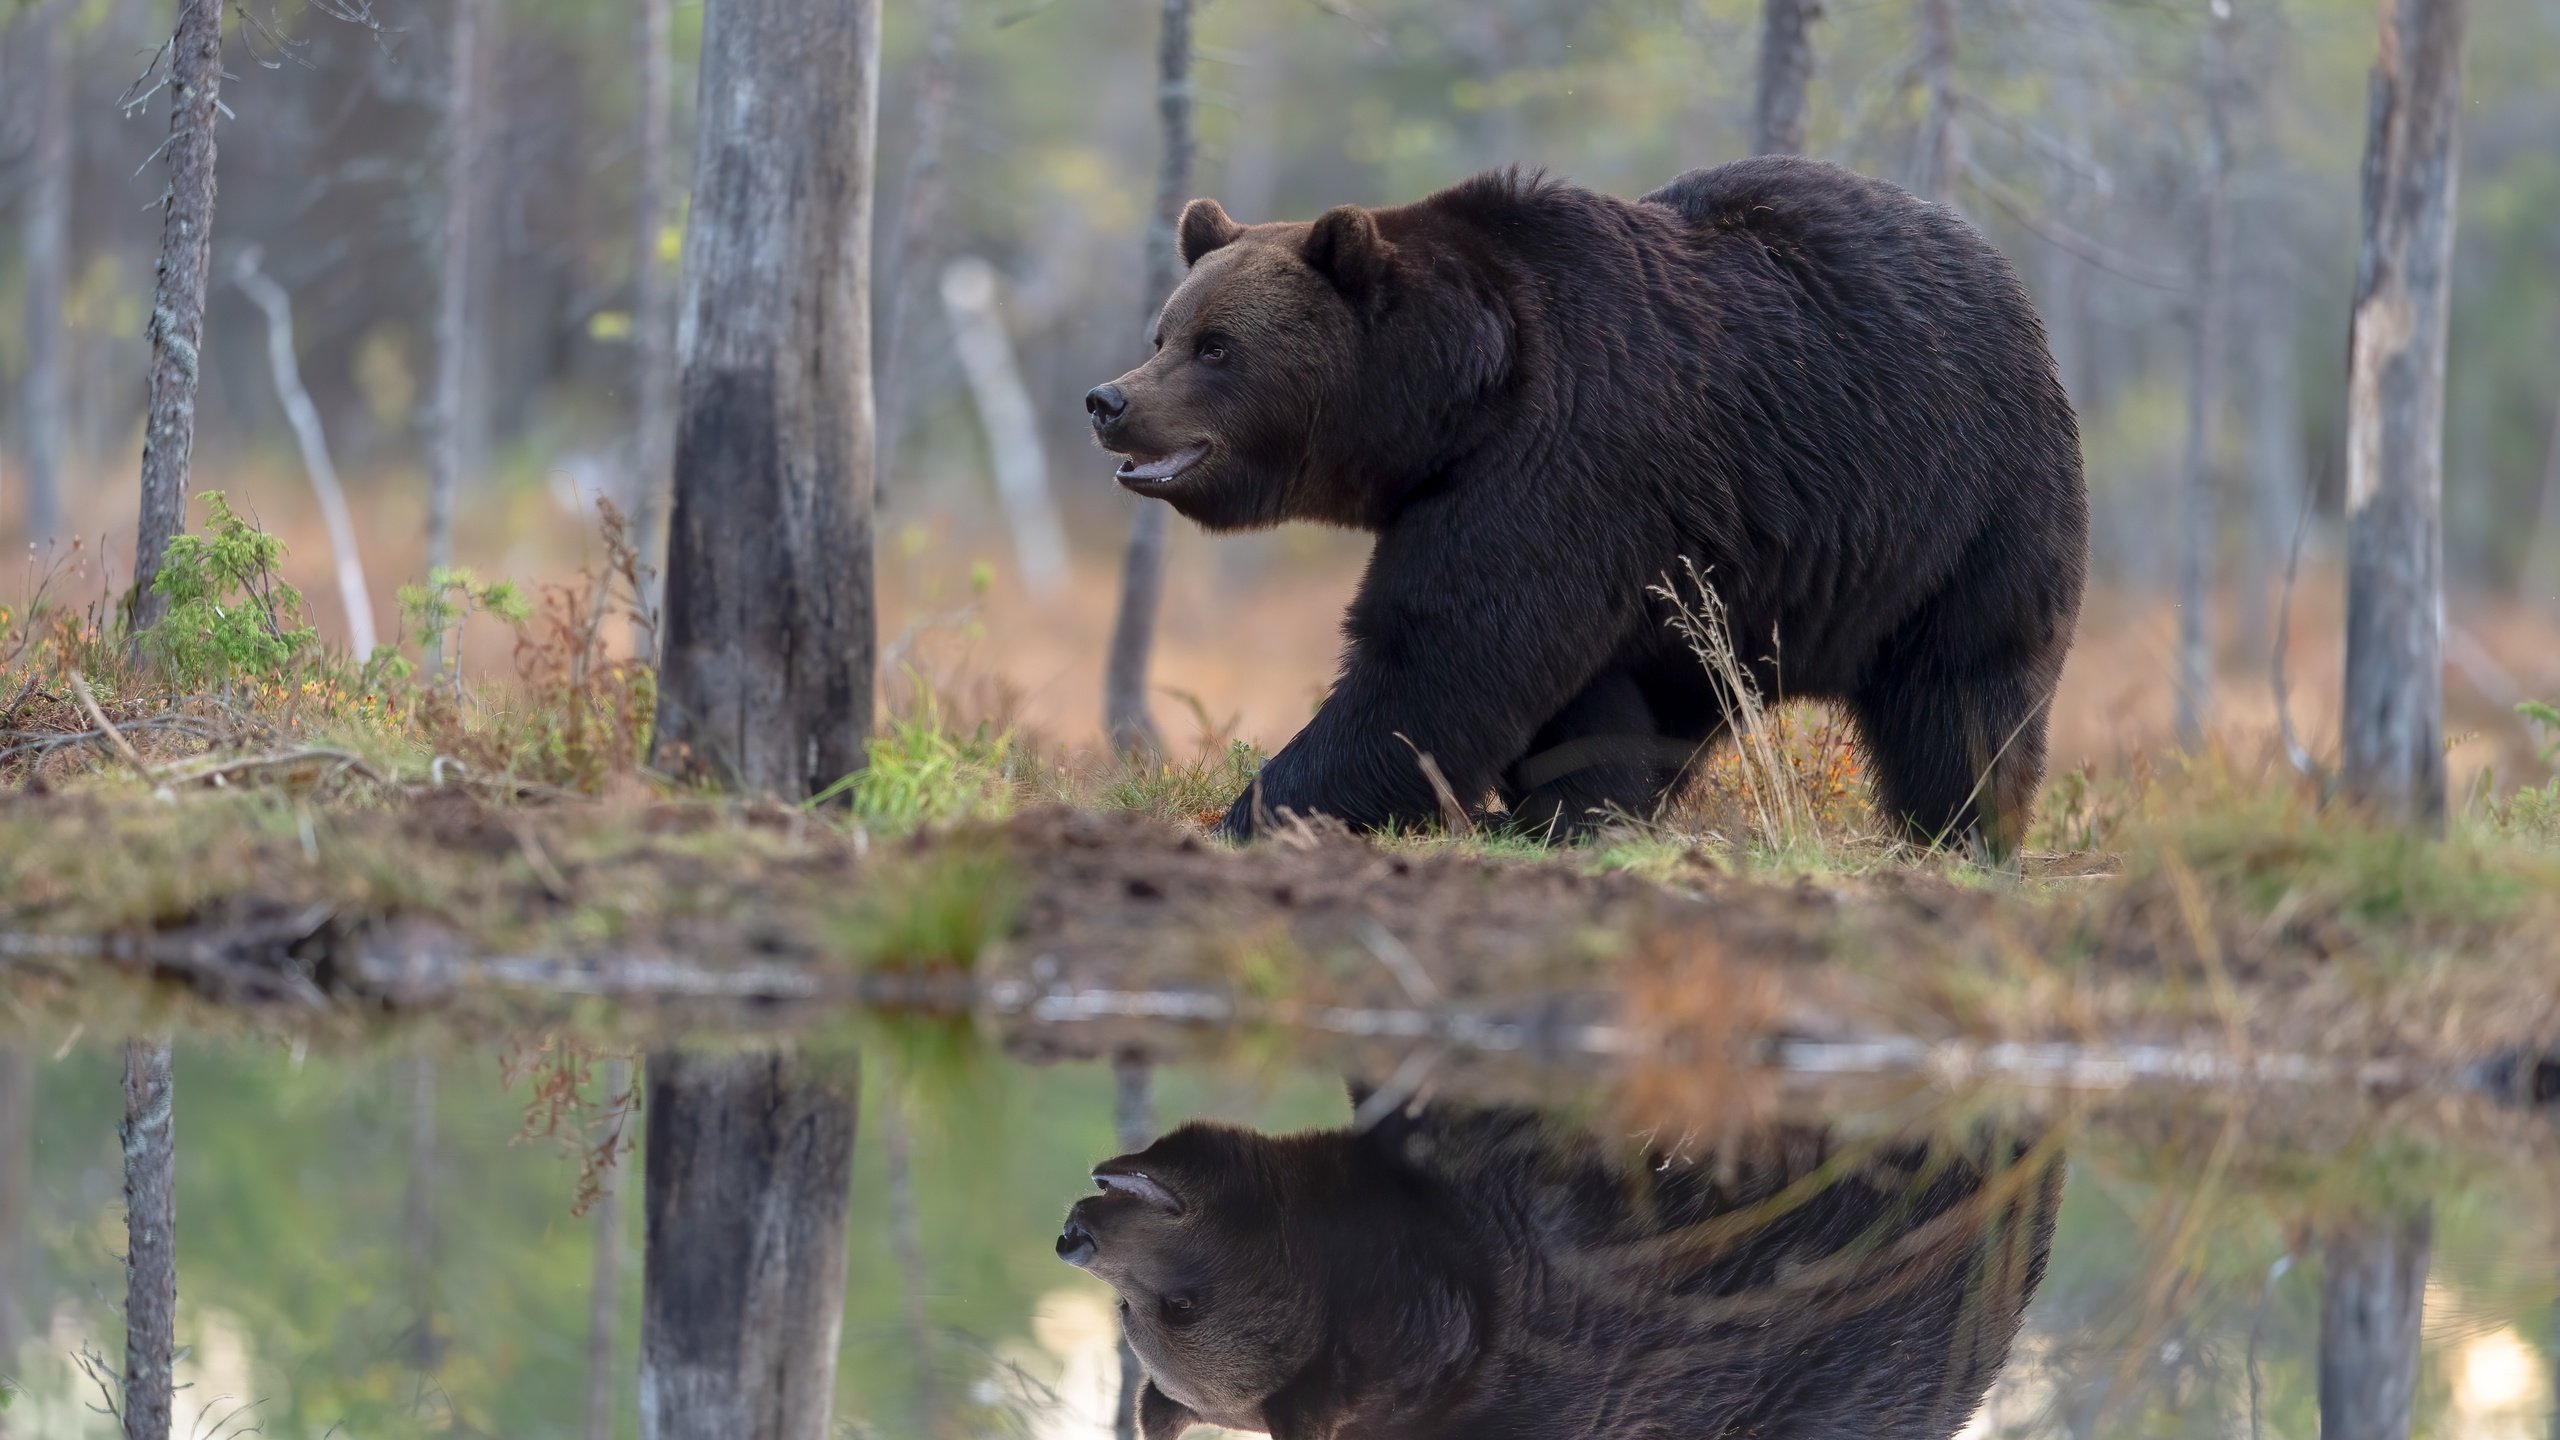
230 616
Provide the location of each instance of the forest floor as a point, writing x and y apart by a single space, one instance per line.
278 833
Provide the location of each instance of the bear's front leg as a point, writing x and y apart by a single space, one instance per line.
1453 656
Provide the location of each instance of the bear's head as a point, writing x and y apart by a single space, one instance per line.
1192 1235
1310 370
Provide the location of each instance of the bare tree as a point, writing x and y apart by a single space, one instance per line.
2393 726
447 450
653 330
767 681
604 1284
2276 467
1011 425
270 298
919 215
151 1239
1133 634
17 1155
2207 322
1133 1123
2542 556
906 1238
48 242
748 1180
1933 150
2371 1295
177 300
1786 68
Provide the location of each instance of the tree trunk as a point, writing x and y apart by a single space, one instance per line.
906 1237
653 328
919 215
604 1284
2276 468
1013 428
48 242
767 680
1133 1122
177 301
1934 148
2203 500
1786 67
2376 1277
1125 714
2542 556
447 452
748 1179
151 1238
17 1156
2394 708
304 416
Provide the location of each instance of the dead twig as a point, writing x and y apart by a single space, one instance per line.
1452 814
115 737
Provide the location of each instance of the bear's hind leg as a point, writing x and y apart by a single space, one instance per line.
1603 754
1958 739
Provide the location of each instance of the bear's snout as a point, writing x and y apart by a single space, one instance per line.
1076 1244
1106 404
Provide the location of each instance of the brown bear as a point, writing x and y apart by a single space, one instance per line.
1830 397
1490 1275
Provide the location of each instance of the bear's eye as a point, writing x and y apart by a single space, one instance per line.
1213 352
1179 1307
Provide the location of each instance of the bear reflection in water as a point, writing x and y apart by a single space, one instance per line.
1488 1273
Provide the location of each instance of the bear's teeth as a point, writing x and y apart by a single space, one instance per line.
1162 467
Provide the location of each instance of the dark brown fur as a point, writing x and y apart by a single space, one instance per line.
1832 397
1482 1275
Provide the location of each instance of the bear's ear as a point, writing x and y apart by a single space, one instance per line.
1160 1416
1205 227
1346 248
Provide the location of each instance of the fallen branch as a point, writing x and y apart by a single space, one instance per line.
98 717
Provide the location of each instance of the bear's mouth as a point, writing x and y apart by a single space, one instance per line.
1139 472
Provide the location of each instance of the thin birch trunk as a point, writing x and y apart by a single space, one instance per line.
2393 725
2276 466
2202 507
2542 556
2371 1295
1786 68
177 300
653 328
1934 148
447 451
151 1237
604 1282
919 216
48 241
1126 718
766 682
304 416
748 1184
1013 428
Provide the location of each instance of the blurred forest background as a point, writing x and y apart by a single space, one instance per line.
2092 139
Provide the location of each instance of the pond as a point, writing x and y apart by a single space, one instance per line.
440 1237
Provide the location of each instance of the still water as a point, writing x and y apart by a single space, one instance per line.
393 1242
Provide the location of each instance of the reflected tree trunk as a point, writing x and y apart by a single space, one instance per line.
2393 721
906 1237
48 263
2371 1295
1126 716
17 1157
151 1239
447 452
604 1284
1786 68
919 217
748 1182
418 1216
1133 1124
177 300
1933 155
2203 498
653 337
766 682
